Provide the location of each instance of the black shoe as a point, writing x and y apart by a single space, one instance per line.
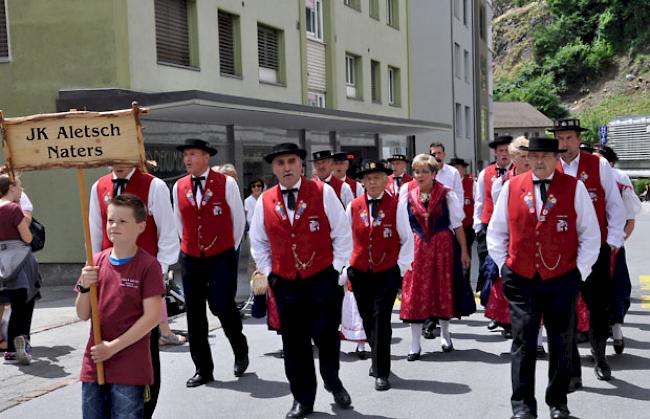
371 372
299 410
619 345
559 412
603 371
523 415
448 348
413 356
363 355
342 398
241 363
382 384
429 334
541 352
574 384
506 333
198 380
582 337
281 353
492 325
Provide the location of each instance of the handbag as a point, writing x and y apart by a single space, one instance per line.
38 235
259 283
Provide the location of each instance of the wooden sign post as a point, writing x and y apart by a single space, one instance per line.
75 139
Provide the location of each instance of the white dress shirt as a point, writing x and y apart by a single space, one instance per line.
340 231
346 192
249 207
358 186
614 208
631 202
450 177
498 234
233 199
406 241
455 205
159 206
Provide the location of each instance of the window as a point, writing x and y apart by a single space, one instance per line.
375 81
269 54
316 99
459 120
457 60
466 66
352 73
173 37
4 33
394 86
314 18
392 13
355 4
229 51
373 7
468 122
465 11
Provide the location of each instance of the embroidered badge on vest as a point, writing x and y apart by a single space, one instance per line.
379 219
190 198
314 225
388 232
528 199
302 205
550 203
107 198
584 176
562 225
364 216
593 195
206 197
216 209
279 208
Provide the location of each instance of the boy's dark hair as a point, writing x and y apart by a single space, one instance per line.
133 202
441 145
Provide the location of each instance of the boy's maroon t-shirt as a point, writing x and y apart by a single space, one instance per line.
120 290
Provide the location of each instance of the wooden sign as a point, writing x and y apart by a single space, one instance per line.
73 139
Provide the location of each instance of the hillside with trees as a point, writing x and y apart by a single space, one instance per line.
586 58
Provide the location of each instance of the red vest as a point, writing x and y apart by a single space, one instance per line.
488 204
207 231
304 248
337 185
393 187
548 246
589 174
352 184
468 201
375 247
139 186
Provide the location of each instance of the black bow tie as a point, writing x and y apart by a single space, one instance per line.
197 184
501 171
542 187
374 207
291 198
398 180
119 184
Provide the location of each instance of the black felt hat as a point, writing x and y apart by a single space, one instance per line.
370 166
322 155
543 144
608 153
567 124
343 156
457 161
398 157
199 144
587 147
501 139
285 148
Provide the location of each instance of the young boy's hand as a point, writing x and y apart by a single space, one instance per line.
89 276
102 352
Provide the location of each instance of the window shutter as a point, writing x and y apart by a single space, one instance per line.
267 47
226 43
172 32
4 40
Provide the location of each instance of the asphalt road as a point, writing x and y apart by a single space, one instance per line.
471 382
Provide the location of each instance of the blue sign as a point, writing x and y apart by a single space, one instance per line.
603 134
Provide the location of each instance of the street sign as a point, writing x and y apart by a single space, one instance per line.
603 134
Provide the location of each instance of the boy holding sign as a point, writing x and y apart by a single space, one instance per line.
129 289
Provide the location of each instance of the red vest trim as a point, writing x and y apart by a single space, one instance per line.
207 231
589 174
468 200
548 245
337 185
488 204
375 247
352 184
391 182
304 248
139 186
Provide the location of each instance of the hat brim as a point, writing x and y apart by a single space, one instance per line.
362 173
323 158
577 129
211 151
458 163
495 144
298 152
542 150
392 160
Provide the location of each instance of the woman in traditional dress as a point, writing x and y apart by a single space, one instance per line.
429 289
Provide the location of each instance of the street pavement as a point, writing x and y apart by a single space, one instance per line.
471 382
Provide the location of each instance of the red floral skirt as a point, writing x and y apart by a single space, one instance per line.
498 308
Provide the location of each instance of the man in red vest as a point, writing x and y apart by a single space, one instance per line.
210 220
544 238
469 186
301 240
324 164
600 181
159 238
483 204
341 167
382 253
398 163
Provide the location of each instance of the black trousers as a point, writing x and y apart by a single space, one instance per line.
154 389
597 294
375 294
309 310
20 321
529 299
213 279
481 250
